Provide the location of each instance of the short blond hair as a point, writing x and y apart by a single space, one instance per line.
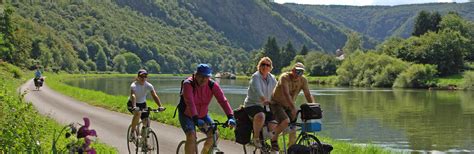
264 59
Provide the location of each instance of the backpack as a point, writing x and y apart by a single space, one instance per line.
181 105
243 129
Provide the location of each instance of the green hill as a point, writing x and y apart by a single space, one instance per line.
380 22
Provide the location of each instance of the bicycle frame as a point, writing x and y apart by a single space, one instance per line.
147 130
213 128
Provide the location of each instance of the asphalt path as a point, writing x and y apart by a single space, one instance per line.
111 126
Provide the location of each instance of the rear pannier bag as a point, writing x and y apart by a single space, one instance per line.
243 129
311 111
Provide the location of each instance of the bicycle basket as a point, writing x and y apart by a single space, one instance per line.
311 111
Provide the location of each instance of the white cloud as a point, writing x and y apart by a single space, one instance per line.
365 2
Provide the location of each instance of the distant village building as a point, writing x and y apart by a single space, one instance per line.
339 54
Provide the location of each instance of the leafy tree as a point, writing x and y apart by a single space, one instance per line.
7 29
82 65
93 48
152 66
101 61
354 42
133 62
417 76
425 22
91 65
369 69
120 63
320 64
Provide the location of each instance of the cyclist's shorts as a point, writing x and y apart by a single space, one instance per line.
280 113
187 123
253 110
139 105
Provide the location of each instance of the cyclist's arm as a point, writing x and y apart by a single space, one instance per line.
286 93
188 98
133 98
307 93
156 98
221 99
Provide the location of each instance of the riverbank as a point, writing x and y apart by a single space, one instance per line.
23 128
117 103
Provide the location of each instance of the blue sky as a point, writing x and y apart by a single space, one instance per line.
365 2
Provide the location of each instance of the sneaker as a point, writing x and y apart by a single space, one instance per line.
257 143
275 146
132 137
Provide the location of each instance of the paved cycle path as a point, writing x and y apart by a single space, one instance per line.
111 126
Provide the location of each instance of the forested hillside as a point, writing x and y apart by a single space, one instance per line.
380 22
103 36
248 23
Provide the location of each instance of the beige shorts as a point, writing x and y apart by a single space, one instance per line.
280 112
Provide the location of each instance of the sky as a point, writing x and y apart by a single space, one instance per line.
365 2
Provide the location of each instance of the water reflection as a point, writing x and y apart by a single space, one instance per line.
418 120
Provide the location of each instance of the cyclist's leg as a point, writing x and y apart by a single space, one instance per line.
282 118
292 134
136 116
188 127
209 141
258 117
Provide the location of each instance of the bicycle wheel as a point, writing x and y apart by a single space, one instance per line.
152 143
180 149
311 141
131 142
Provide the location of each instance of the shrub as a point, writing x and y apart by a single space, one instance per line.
468 80
417 76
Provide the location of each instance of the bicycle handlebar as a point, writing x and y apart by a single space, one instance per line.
149 109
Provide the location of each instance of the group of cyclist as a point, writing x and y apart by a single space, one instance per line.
268 101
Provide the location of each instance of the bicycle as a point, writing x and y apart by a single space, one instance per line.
214 149
147 136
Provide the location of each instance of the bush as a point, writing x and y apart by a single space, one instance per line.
417 76
468 80
369 69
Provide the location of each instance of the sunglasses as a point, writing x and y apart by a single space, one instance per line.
299 72
143 76
263 64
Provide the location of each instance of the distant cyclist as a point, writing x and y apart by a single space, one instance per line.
137 99
38 80
197 92
258 98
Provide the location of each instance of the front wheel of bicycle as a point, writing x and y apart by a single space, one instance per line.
313 142
131 142
152 141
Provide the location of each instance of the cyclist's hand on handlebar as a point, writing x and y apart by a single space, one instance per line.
231 121
161 108
135 108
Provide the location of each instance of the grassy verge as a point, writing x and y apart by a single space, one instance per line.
117 103
23 129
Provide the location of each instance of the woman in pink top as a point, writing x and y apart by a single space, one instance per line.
196 95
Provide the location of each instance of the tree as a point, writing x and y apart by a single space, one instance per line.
6 29
304 50
287 54
272 51
120 64
354 42
91 65
101 61
152 66
425 22
133 62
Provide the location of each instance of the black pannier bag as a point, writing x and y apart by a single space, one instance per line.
243 129
313 149
311 111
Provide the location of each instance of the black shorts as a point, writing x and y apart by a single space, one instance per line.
139 105
253 110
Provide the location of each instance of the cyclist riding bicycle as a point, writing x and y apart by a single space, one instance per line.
38 77
258 98
137 99
283 101
193 107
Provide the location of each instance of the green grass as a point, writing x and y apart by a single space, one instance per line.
331 80
23 129
453 80
118 104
